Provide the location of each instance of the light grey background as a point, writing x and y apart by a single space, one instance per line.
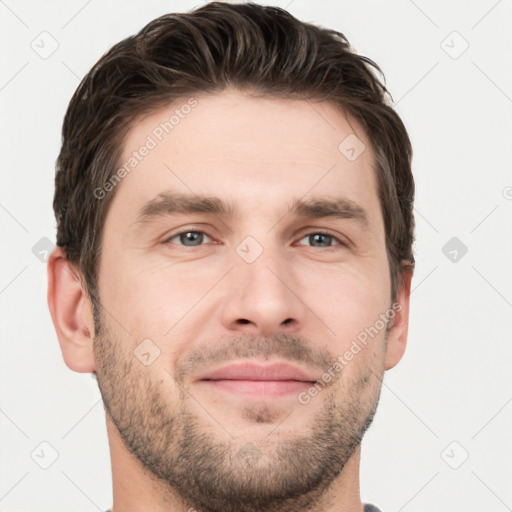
450 396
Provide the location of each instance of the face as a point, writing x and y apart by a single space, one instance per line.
243 257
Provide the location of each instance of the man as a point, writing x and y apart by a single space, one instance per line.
234 206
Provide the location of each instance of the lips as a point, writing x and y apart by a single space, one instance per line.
257 380
256 372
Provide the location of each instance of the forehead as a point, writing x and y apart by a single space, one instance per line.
242 121
251 150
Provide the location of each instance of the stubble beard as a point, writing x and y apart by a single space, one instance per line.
208 473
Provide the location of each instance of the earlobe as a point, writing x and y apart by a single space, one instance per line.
397 337
71 312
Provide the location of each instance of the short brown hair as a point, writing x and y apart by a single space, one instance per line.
248 46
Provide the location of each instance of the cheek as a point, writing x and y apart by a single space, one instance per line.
346 294
156 299
349 304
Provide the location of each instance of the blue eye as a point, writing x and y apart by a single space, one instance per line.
193 238
322 239
189 238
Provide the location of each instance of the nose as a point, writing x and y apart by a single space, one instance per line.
263 297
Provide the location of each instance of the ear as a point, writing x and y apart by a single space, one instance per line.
399 324
71 311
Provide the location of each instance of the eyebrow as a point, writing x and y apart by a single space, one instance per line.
169 203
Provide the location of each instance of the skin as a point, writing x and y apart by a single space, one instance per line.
203 305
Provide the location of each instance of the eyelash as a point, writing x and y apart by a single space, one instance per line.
331 247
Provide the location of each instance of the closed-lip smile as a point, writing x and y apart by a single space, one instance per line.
251 378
